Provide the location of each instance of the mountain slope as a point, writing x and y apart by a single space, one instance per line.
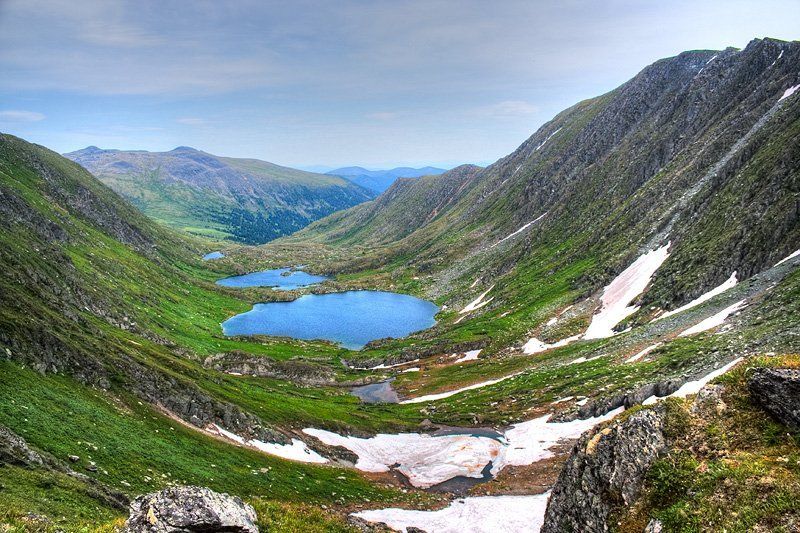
380 180
246 200
698 150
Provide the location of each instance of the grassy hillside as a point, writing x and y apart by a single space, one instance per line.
107 318
245 200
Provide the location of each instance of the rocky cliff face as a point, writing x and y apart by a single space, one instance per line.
605 470
778 391
698 150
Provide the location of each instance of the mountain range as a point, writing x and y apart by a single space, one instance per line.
244 200
615 349
380 180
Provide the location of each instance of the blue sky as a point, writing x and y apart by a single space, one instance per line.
301 83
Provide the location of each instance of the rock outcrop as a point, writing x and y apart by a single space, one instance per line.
190 509
777 390
606 469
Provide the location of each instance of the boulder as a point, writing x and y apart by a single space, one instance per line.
777 390
190 509
606 469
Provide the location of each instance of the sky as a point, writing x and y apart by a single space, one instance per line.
334 83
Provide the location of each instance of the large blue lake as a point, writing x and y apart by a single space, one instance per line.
279 278
350 319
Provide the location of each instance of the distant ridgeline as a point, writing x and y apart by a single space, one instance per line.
244 200
380 180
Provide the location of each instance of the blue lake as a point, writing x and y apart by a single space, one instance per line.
279 278
350 319
213 255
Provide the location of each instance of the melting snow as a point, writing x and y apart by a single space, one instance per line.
788 257
552 321
714 320
622 291
643 353
425 459
471 355
441 395
520 230
296 451
478 302
528 442
727 284
534 345
693 387
789 92
428 460
412 369
484 514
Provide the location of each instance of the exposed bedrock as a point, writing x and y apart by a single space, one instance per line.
777 390
606 469
190 509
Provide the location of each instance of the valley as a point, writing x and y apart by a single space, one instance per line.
457 354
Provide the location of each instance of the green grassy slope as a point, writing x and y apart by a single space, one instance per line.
245 200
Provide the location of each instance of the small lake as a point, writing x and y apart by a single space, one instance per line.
213 255
381 392
282 279
350 319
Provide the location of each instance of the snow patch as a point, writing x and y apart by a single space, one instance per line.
714 320
693 387
384 367
621 292
478 302
534 345
520 230
545 141
789 92
552 321
425 460
471 355
296 451
481 514
776 59
643 353
787 258
412 369
727 284
442 395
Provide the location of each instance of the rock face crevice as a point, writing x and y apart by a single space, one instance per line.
606 469
190 509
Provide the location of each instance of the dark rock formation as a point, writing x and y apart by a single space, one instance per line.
606 469
302 372
190 509
777 390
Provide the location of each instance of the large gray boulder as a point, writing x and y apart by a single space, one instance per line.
190 509
606 469
777 390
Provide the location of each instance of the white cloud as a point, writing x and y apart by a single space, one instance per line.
14 115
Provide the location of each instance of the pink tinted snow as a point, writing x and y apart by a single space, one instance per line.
621 292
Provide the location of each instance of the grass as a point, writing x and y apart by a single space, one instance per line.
730 468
